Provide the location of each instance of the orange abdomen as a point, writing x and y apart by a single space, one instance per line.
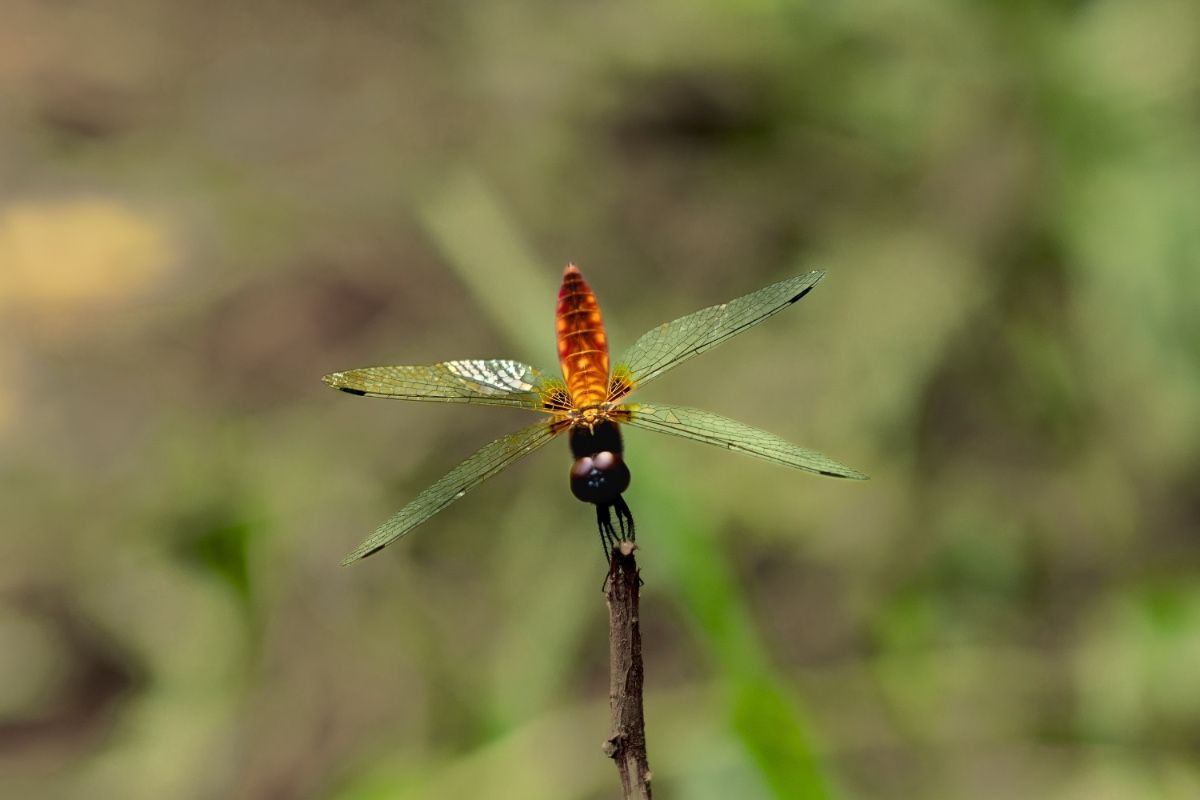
582 343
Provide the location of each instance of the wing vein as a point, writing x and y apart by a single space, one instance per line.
497 382
665 347
483 464
713 429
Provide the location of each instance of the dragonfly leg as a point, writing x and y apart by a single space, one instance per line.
608 536
625 519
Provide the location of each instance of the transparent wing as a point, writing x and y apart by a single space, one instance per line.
496 382
486 462
672 343
702 426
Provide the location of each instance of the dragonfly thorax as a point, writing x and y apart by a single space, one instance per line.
599 474
591 416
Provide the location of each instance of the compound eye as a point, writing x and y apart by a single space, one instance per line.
600 478
582 468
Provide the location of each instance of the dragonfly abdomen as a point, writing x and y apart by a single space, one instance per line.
582 342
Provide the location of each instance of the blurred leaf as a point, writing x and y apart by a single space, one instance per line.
217 541
1136 665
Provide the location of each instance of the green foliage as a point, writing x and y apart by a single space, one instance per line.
206 210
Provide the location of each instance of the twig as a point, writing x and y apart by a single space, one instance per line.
626 744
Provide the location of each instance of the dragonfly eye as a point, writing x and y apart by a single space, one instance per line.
599 478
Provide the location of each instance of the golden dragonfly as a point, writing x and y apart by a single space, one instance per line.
588 403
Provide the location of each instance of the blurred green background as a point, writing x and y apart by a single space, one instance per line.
205 207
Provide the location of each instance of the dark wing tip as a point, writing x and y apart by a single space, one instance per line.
356 556
334 379
805 291
849 474
817 276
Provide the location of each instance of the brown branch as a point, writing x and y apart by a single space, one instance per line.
626 744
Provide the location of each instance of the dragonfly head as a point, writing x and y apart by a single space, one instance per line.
599 478
599 474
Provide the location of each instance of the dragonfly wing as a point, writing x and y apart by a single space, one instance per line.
702 426
496 382
672 343
486 462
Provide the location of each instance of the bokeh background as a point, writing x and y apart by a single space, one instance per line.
205 207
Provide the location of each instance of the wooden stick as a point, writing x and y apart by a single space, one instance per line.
626 744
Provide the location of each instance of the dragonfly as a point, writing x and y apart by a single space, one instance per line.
588 403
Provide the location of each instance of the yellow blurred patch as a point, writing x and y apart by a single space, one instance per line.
57 257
